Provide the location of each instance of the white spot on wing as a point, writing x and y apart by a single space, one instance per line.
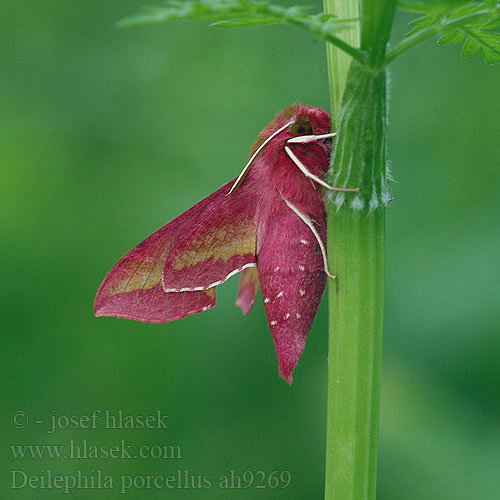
287 315
277 268
298 316
266 300
302 268
279 295
304 242
302 292
273 323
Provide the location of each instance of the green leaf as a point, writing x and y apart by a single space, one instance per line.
235 23
420 24
442 12
475 40
226 13
471 46
492 23
466 9
488 42
454 36
236 13
455 21
204 10
233 13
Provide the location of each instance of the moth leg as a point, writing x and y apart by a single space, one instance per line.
315 178
310 224
303 139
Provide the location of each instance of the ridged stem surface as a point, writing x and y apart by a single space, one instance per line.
356 242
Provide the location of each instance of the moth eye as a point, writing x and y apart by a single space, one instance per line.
301 127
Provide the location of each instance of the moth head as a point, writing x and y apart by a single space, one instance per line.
310 121
301 126
297 123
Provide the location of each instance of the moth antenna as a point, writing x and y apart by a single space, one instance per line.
302 139
244 172
309 223
315 178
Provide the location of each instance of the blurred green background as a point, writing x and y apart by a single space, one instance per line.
106 134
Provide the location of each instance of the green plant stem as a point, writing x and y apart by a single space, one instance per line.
356 255
438 29
338 60
356 239
411 41
356 249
